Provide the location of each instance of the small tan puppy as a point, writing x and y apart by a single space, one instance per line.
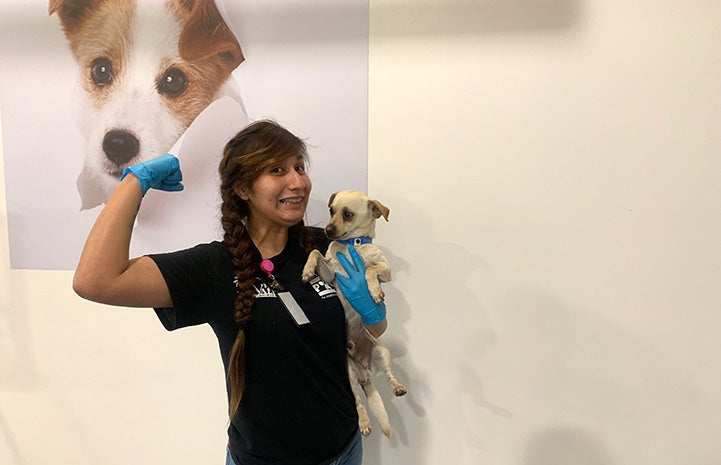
352 222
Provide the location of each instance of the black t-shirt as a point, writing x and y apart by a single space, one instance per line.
298 407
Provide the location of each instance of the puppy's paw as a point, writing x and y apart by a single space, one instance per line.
377 293
311 266
365 428
308 272
379 298
399 390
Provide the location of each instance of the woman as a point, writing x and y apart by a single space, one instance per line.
290 401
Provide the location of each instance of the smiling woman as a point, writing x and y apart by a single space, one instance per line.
282 340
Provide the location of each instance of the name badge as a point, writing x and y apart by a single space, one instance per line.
293 308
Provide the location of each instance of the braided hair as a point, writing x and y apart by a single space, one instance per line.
245 157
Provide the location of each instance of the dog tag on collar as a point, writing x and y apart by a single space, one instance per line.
286 298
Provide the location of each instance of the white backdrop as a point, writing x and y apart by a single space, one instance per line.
552 172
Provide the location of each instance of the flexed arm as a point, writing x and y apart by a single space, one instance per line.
105 273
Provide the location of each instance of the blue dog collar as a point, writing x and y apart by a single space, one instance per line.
355 240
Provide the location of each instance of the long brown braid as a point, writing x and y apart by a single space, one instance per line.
245 157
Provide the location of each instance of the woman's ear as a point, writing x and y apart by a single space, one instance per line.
241 192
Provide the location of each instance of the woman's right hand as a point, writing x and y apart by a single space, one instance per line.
161 173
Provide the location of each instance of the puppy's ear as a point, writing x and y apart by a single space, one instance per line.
71 12
378 209
331 199
206 34
54 5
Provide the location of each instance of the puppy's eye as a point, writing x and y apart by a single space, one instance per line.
347 215
101 72
173 83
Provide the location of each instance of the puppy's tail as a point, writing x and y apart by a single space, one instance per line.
377 407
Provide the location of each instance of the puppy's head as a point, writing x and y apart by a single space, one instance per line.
353 214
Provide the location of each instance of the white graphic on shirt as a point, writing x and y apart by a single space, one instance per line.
323 289
262 289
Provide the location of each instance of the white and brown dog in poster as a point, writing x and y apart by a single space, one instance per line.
148 68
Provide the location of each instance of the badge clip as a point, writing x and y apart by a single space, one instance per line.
286 298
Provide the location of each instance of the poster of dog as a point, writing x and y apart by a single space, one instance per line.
89 87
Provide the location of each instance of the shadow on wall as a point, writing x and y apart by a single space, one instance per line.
406 429
574 361
411 17
458 17
7 437
452 269
566 445
387 19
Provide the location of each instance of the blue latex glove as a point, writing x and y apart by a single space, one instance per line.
161 173
355 288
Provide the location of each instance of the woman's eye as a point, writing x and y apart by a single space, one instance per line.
300 168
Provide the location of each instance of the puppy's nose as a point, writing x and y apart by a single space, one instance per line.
120 146
330 231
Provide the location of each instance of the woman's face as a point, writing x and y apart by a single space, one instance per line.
279 196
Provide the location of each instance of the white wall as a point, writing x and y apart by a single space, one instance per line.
553 173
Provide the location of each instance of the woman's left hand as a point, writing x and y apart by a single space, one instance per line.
355 289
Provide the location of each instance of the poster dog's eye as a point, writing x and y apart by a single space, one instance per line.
101 72
347 215
173 83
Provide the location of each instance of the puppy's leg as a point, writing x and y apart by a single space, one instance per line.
364 422
325 270
382 363
375 274
309 270
376 405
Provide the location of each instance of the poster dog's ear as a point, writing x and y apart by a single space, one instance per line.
72 12
205 35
